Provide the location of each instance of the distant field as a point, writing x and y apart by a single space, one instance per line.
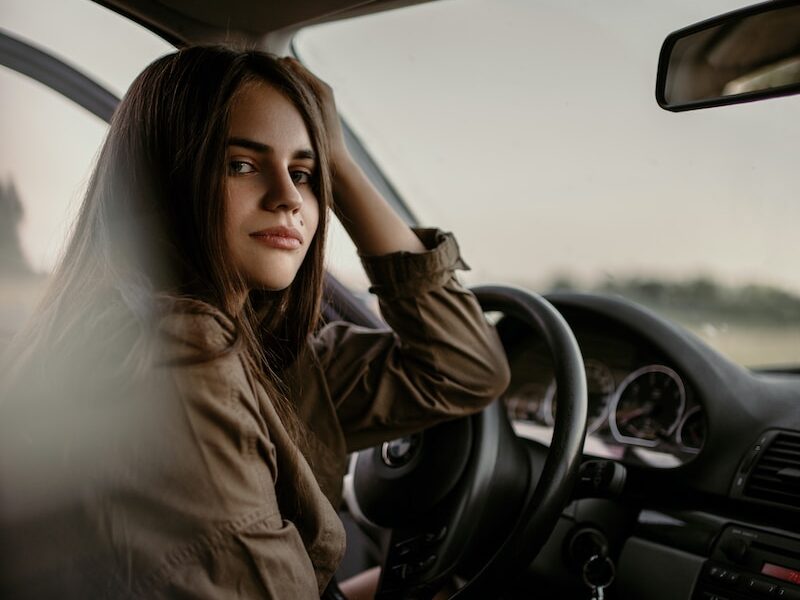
754 345
748 343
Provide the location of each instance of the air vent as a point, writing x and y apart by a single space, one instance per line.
776 475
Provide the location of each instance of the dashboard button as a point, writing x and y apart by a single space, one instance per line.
422 565
760 586
720 574
400 571
404 550
435 536
732 577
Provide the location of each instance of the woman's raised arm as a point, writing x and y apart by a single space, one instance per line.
373 225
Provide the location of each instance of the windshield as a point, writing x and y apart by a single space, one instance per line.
532 132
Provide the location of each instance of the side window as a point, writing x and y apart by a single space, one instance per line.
342 261
49 142
48 149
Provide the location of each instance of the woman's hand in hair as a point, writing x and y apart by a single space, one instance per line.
373 225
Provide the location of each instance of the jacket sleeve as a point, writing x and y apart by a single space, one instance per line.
440 359
202 517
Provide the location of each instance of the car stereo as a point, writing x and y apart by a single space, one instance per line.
749 563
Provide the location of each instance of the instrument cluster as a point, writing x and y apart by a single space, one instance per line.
640 409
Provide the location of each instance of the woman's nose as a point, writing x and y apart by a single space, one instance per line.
282 194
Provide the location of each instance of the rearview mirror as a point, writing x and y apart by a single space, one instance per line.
745 55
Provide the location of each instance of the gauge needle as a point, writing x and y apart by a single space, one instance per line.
636 412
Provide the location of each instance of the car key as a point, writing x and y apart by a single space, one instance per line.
598 574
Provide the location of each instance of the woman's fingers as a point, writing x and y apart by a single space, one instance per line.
321 88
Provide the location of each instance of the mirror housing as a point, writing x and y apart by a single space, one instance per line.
741 56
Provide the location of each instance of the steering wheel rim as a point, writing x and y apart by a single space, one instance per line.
542 498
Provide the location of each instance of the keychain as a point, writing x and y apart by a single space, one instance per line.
598 574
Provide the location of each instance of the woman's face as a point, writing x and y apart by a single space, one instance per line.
271 210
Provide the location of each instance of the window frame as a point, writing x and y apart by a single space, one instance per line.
54 73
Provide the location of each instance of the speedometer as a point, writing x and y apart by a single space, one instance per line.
648 406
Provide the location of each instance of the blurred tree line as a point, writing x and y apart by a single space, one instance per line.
699 298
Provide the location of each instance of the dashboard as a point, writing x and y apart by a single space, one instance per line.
711 502
709 506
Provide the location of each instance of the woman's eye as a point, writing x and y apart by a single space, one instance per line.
301 177
240 167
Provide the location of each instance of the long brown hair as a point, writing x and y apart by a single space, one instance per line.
151 224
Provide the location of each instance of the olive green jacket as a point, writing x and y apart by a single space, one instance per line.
203 493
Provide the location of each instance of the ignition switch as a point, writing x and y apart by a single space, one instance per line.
589 553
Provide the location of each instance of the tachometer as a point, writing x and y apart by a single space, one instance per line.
526 403
600 387
648 406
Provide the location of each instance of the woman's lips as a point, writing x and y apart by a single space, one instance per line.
283 238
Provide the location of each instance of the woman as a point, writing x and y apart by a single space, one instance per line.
175 423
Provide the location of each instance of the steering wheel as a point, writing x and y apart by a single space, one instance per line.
468 497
